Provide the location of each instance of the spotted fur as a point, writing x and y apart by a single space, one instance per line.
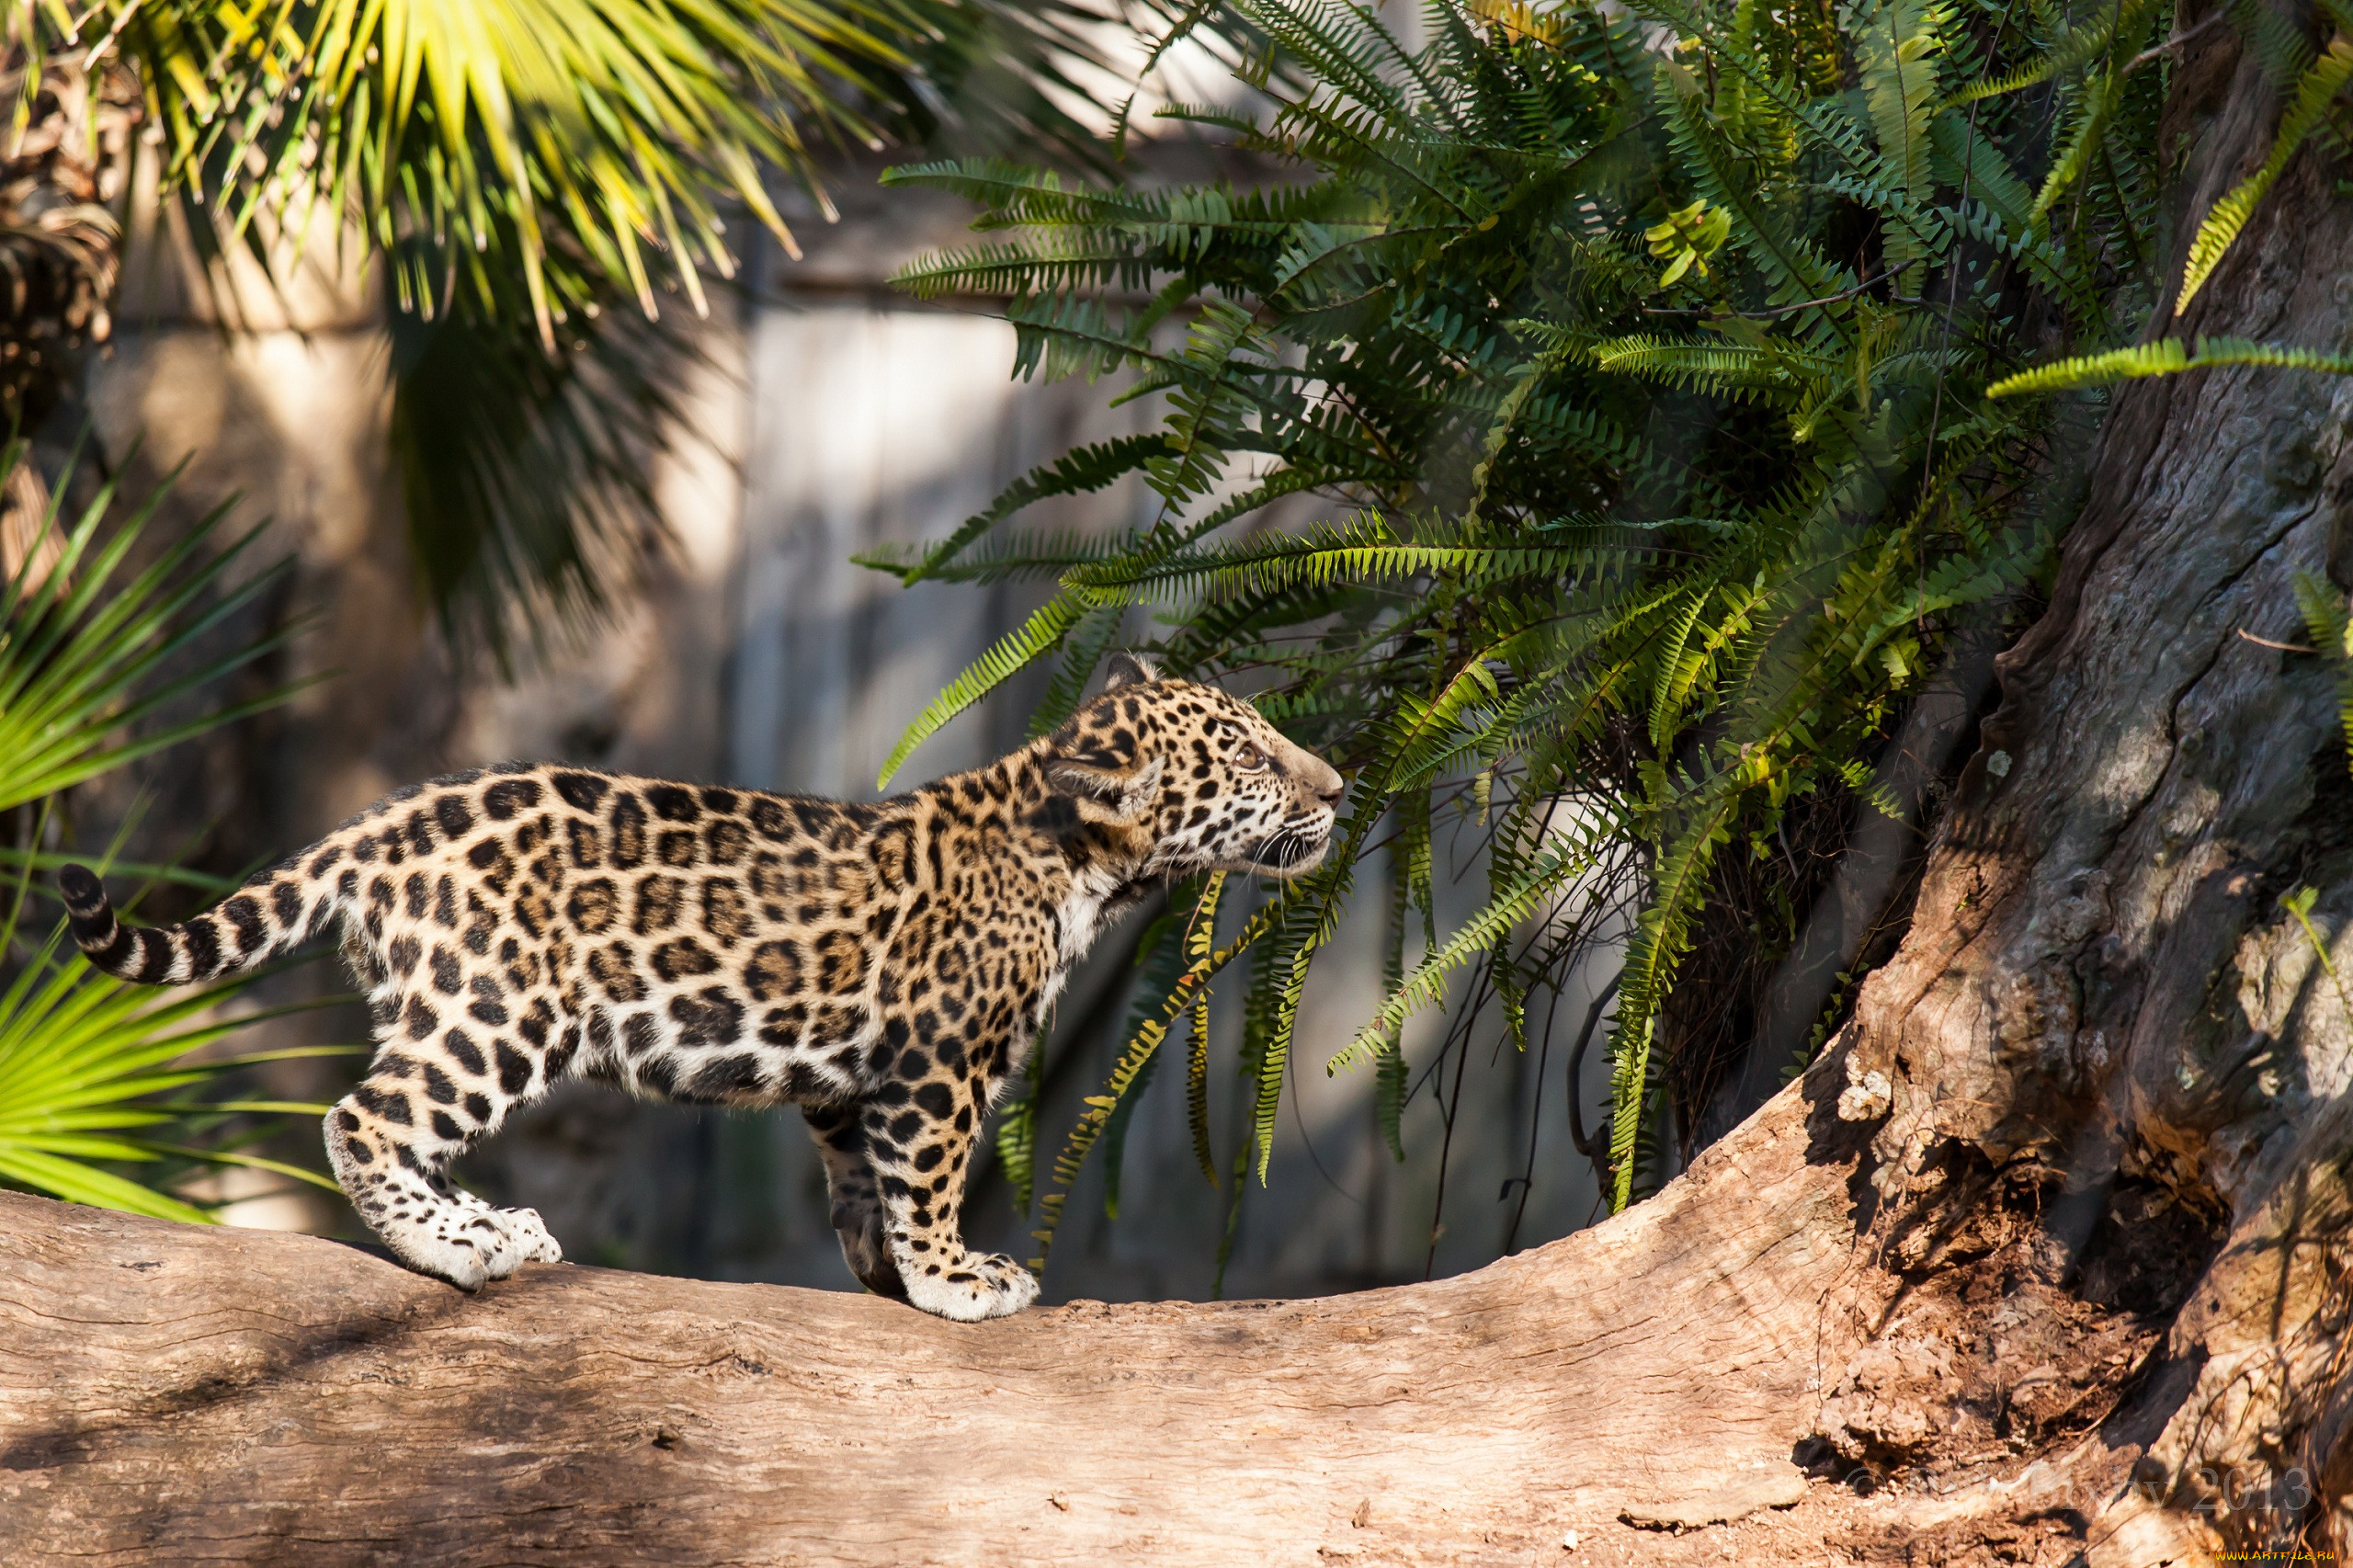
883 967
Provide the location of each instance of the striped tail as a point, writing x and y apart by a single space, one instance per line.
273 912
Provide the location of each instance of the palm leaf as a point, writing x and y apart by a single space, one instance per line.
533 171
83 1059
93 652
528 475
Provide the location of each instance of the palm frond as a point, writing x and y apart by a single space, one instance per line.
95 654
537 176
528 475
83 1059
101 1081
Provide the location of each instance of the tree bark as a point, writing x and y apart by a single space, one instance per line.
2046 1259
2103 1008
183 1396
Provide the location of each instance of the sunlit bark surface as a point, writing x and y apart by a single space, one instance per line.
176 1394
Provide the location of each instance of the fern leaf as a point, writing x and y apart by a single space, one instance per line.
1896 48
1200 941
2318 88
1078 471
2064 56
1661 935
1083 647
1558 866
1161 961
2166 357
1017 1133
1016 651
1133 1060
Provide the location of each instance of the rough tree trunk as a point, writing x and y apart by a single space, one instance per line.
2043 1261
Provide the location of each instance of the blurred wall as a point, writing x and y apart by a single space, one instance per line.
831 415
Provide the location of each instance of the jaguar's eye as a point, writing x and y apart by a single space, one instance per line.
1249 756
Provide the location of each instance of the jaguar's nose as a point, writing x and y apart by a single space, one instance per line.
1327 783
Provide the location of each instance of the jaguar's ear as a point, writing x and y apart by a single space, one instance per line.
1126 792
1130 669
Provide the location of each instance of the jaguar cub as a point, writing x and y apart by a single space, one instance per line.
883 967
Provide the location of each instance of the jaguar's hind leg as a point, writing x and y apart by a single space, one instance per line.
431 1095
856 1199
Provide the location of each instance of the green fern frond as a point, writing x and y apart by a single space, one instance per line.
1661 937
1029 268
1201 942
1009 555
1160 960
1036 637
2326 620
2330 627
1897 45
1083 647
1133 1060
1017 1132
2084 144
1077 472
2306 111
2166 357
1425 986
1663 561
2062 56
1730 369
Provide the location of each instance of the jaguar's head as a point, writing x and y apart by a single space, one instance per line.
1199 781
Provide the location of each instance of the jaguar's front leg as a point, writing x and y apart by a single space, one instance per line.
850 1186
919 1136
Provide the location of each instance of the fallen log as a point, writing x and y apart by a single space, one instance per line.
184 1394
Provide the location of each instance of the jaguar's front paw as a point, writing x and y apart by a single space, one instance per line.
976 1286
476 1244
527 1241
